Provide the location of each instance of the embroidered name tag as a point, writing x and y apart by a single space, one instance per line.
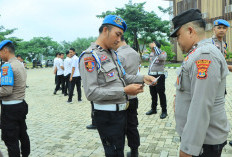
202 66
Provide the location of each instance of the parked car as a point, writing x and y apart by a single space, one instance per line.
49 63
36 63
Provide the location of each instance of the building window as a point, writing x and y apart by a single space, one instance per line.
230 2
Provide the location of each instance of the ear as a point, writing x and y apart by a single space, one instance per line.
105 29
191 30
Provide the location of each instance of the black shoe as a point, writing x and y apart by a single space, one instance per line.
230 143
163 115
54 92
151 112
65 94
91 126
80 100
133 153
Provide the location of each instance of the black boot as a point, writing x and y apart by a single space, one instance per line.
91 126
230 143
54 92
163 115
133 153
151 112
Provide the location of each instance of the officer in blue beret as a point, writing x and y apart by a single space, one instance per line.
104 82
220 29
13 107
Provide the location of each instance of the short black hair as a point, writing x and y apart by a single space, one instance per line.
72 49
200 23
67 52
57 54
105 25
10 47
157 44
61 53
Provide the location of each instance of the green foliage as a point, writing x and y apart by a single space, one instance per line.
143 26
81 44
229 54
168 50
38 46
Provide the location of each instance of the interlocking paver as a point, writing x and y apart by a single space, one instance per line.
57 129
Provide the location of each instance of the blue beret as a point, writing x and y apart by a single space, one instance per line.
221 22
116 21
4 42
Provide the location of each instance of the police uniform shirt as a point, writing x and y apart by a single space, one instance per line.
17 90
104 85
67 66
221 45
157 61
59 63
130 60
199 105
75 61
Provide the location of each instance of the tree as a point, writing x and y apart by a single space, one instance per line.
80 44
6 32
38 46
143 26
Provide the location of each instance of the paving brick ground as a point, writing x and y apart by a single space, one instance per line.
57 129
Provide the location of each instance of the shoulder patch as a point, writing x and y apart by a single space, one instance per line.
7 75
5 70
202 66
89 63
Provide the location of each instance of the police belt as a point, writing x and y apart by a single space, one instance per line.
110 107
157 73
11 102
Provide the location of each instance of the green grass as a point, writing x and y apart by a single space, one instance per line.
146 63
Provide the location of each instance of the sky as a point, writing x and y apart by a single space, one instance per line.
62 19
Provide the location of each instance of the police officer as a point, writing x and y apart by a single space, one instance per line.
220 28
156 69
104 84
13 108
130 60
200 114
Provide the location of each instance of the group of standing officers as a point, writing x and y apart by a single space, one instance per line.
111 81
200 114
67 74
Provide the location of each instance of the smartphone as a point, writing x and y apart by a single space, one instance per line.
155 81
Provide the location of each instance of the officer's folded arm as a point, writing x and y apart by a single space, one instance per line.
6 91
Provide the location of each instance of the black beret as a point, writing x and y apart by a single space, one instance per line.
185 17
